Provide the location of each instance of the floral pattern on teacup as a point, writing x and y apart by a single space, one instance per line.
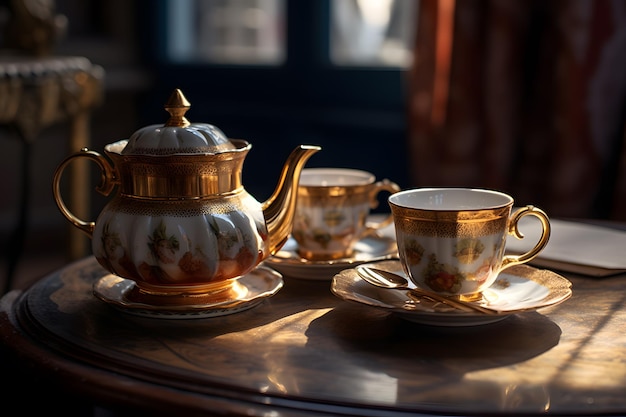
413 251
442 277
330 230
333 218
468 250
467 261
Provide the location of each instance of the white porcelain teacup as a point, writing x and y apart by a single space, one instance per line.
452 240
332 209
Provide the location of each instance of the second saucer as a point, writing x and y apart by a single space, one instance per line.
372 248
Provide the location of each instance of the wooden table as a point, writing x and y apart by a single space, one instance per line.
304 352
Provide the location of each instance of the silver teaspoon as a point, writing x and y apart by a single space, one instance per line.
386 279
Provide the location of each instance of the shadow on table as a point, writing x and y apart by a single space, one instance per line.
382 342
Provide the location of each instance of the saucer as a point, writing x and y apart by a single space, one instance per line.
517 289
250 289
368 249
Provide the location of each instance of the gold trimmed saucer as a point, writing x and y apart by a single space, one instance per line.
517 289
248 291
368 249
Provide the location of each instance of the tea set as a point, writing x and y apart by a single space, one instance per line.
182 238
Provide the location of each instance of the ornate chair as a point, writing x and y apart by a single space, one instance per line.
38 89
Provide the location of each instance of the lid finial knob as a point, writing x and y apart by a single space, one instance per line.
177 106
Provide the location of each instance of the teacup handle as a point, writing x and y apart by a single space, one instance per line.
510 260
378 187
109 181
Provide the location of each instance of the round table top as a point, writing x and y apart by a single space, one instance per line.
304 351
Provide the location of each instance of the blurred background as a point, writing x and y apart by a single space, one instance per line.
524 97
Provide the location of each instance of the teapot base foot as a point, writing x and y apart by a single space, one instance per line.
216 293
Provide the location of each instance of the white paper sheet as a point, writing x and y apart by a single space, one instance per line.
574 247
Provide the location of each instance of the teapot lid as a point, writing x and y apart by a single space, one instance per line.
178 135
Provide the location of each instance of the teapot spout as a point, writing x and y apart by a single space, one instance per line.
280 208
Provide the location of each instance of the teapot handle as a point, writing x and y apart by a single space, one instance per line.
108 182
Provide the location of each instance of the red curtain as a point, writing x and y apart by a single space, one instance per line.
527 97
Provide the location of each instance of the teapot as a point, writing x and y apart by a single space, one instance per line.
181 221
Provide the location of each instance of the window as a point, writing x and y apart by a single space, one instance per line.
253 32
372 32
245 32
280 73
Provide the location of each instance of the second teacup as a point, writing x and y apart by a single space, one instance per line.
332 209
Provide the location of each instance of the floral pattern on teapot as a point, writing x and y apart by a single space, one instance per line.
175 251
